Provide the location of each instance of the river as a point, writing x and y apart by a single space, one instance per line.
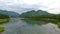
17 26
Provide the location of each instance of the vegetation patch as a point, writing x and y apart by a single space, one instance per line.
1 29
4 21
4 18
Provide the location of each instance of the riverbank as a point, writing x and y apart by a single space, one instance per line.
1 29
4 20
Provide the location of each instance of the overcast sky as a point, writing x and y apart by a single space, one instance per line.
20 6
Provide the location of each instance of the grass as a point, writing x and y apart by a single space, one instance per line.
58 24
3 21
1 29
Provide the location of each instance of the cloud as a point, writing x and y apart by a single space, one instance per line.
21 6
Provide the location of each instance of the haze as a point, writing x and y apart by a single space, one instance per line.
20 6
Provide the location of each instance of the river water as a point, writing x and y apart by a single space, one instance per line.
17 26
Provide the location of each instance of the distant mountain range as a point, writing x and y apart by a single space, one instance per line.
9 13
34 13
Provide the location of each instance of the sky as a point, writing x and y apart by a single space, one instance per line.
20 6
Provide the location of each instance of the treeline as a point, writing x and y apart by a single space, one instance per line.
3 16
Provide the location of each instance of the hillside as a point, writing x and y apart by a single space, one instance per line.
34 13
10 13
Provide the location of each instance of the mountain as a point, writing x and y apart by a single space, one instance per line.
10 13
34 13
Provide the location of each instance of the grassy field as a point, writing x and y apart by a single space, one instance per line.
4 21
1 29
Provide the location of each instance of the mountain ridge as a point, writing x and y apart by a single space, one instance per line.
10 13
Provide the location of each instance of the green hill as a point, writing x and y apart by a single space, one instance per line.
34 13
10 13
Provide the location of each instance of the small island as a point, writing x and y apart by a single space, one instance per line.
40 17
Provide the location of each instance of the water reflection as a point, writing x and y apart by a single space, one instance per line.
40 27
17 26
33 22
